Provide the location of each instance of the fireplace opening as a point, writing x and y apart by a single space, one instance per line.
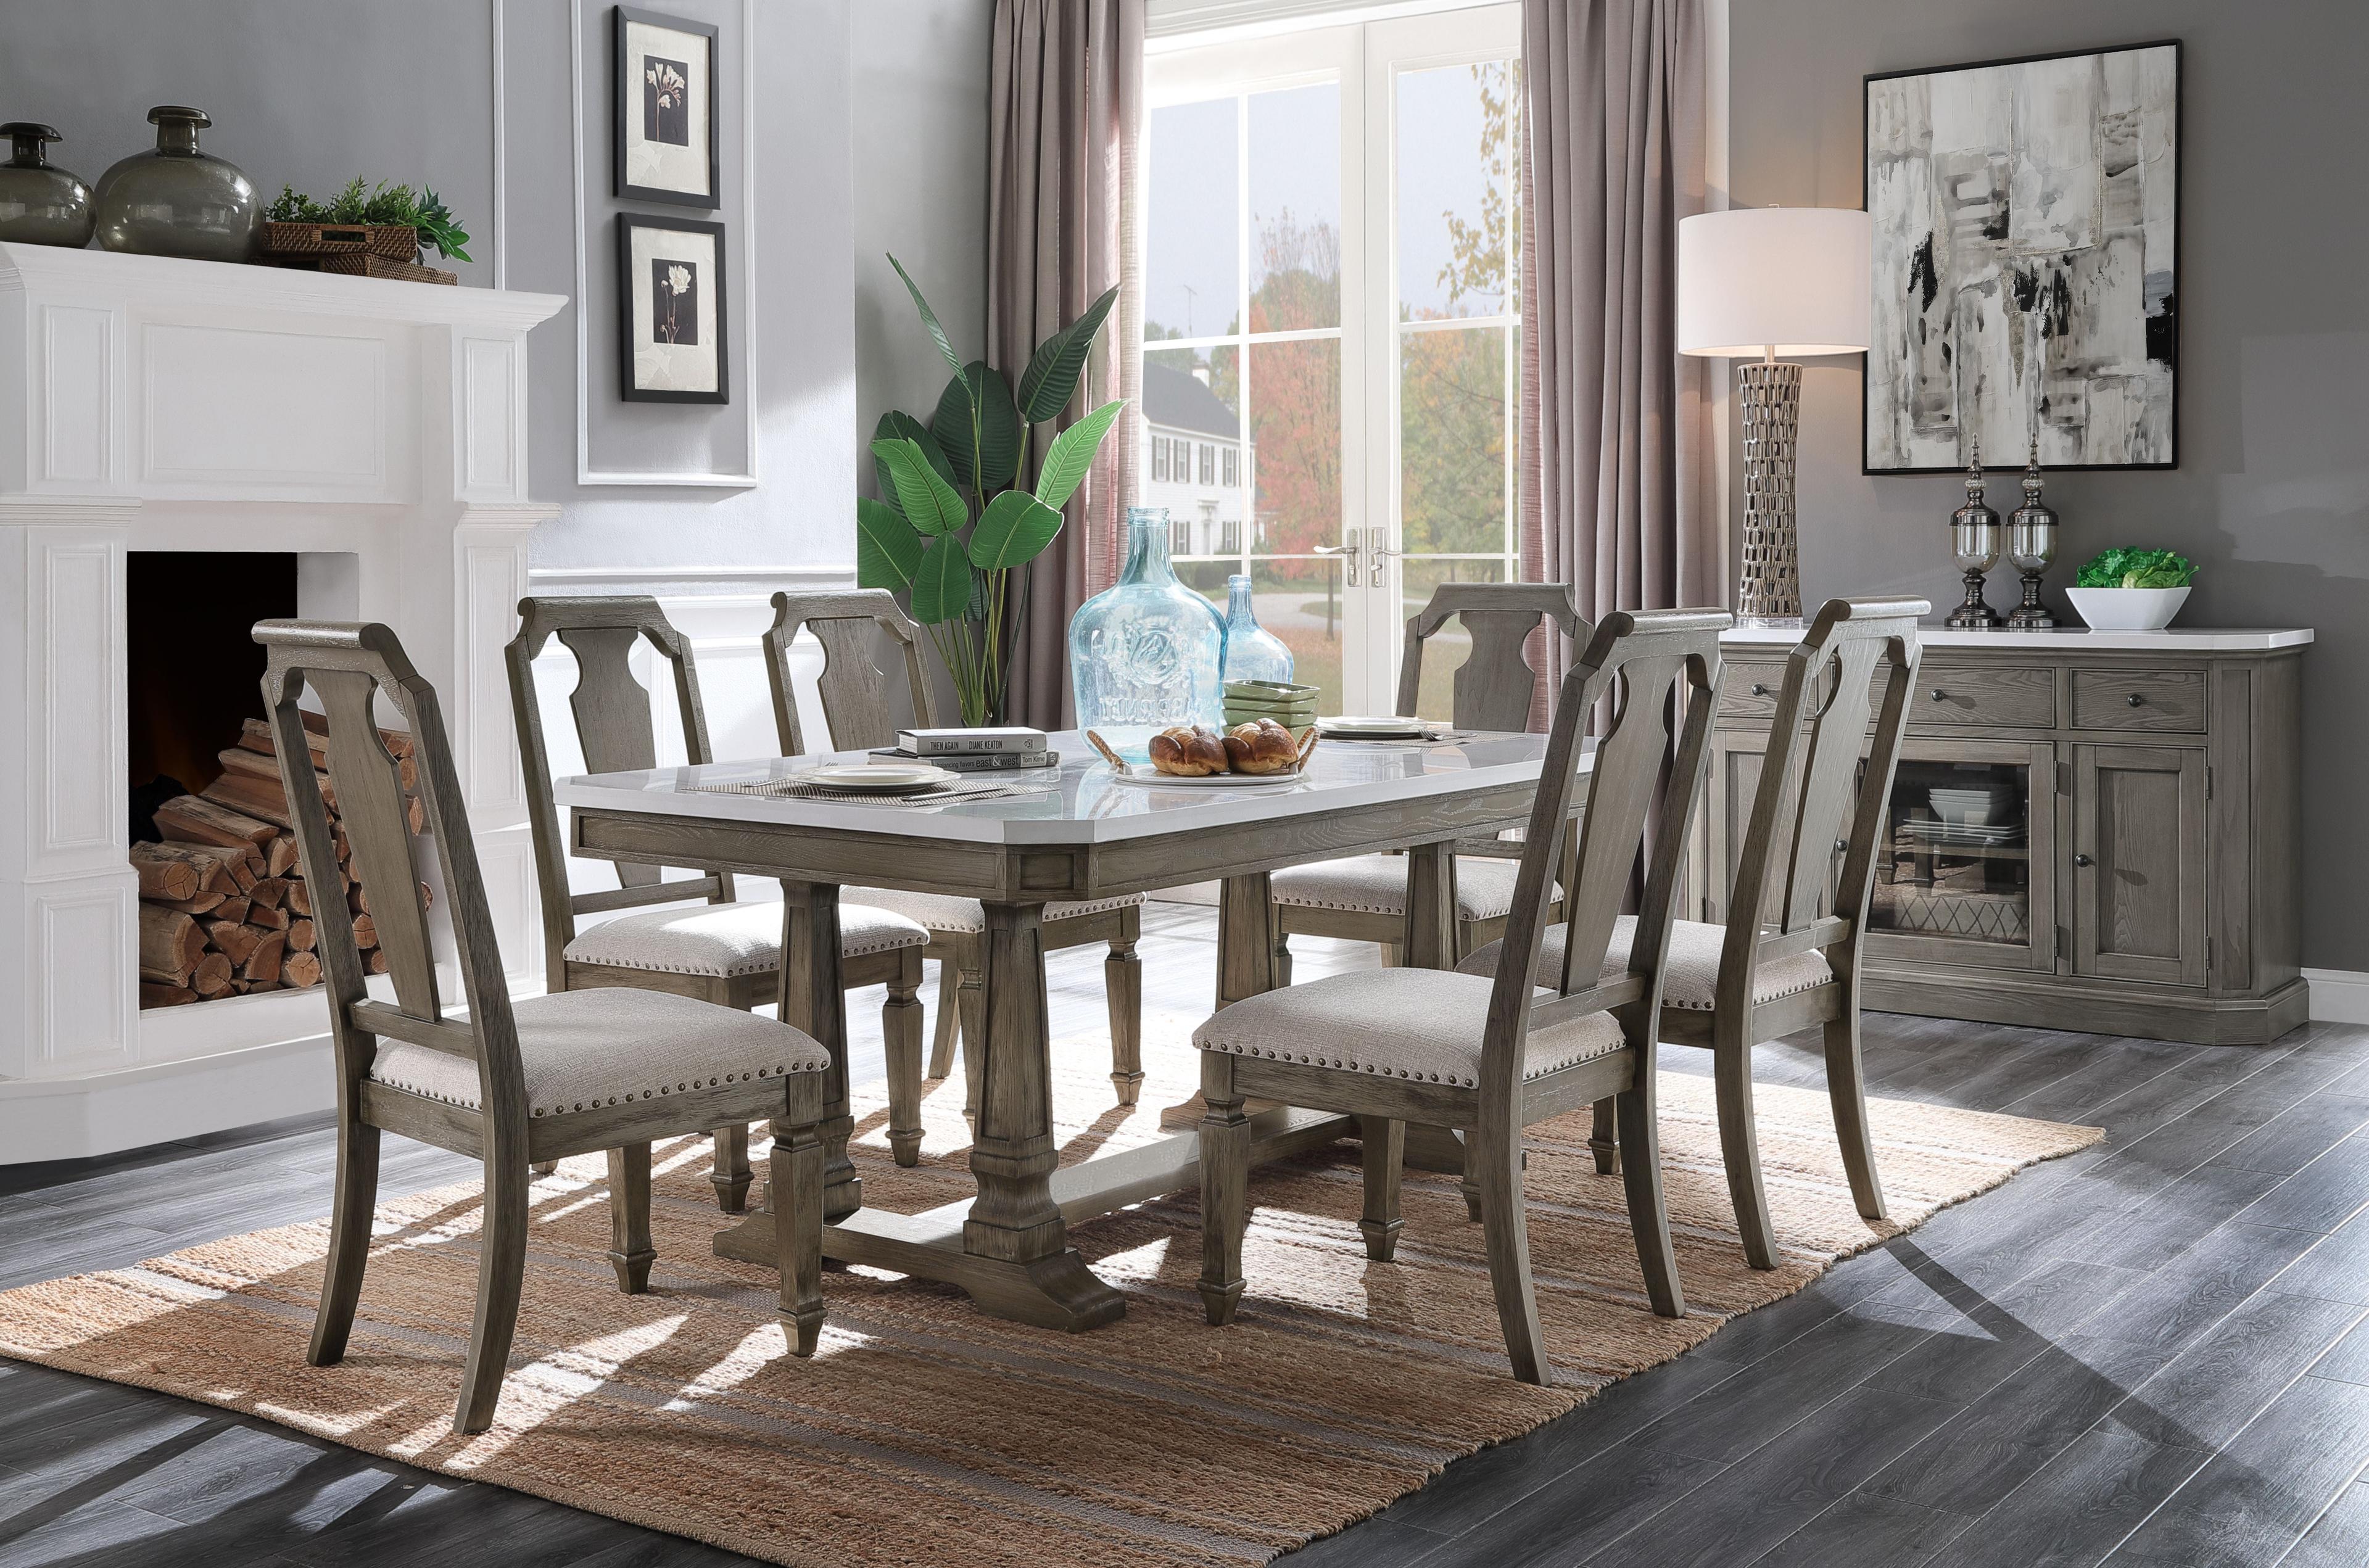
225 910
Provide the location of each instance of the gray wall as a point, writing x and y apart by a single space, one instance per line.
315 91
2272 495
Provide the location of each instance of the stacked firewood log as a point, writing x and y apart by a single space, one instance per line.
224 906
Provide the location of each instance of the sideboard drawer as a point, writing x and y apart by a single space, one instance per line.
2009 696
2151 699
1749 691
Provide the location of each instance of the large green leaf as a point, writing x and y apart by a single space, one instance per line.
927 502
886 548
976 419
1053 370
942 583
1015 529
1072 454
897 425
929 318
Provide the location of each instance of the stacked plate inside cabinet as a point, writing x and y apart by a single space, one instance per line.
1974 807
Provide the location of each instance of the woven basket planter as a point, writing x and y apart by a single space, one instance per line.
394 242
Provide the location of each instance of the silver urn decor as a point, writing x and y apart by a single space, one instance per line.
40 204
2031 546
176 201
1974 545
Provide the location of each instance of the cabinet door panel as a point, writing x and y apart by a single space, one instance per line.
2139 864
1965 868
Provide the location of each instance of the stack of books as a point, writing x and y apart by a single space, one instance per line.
972 751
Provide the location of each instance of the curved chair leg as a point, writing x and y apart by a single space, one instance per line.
1649 1212
730 1178
942 1051
1602 1140
1470 1182
1848 1089
900 1038
1393 954
630 1253
501 1271
1282 959
1225 1188
1498 1155
349 1236
1385 1161
797 1207
1739 1145
1122 983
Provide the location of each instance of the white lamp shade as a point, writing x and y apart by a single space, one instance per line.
1793 278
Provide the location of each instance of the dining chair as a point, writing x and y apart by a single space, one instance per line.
1492 1056
721 950
512 1083
1821 796
1363 898
857 717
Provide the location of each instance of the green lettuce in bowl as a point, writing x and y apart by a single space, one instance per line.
2131 590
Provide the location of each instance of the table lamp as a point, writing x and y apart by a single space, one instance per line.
1757 282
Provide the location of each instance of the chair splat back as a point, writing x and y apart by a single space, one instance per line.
1655 665
1825 776
347 666
854 690
1492 690
615 729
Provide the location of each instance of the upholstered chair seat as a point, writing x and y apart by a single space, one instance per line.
585 1051
953 916
1691 980
726 941
1421 1024
1377 885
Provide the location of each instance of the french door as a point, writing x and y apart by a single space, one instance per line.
1332 329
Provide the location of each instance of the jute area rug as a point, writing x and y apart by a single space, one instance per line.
925 1432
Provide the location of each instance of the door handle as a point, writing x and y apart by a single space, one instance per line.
1349 554
1378 550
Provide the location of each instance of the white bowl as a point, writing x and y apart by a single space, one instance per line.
2127 609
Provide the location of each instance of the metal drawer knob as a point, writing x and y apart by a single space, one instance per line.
1939 694
2082 860
2136 701
1759 690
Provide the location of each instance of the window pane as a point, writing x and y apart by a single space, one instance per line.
1456 127
1295 417
1452 430
1296 209
1194 253
1192 400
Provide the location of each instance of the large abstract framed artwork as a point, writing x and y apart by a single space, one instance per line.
666 111
2027 262
672 298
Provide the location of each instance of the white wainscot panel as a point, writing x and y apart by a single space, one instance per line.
85 956
77 646
77 410
242 411
493 579
490 410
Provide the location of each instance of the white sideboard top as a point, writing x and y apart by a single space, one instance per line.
2072 639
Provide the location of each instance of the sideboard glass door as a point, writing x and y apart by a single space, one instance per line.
1965 857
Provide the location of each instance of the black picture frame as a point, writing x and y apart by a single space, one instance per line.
627 108
630 334
2178 217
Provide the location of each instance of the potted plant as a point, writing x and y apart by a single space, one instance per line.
955 521
375 231
2131 590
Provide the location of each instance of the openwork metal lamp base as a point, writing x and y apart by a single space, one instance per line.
1769 592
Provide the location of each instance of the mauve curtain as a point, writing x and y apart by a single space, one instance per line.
1065 104
1614 495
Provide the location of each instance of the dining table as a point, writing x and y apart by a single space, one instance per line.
1015 840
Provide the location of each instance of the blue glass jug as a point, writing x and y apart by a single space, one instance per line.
1147 652
1252 653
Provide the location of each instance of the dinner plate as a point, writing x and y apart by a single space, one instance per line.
1352 728
877 778
1204 780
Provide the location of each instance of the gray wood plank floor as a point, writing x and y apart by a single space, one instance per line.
2156 1352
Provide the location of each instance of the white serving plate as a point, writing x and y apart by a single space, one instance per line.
1966 832
1352 728
877 778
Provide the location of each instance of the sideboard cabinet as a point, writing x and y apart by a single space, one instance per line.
2088 830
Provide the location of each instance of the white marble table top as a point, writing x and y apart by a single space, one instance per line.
1083 803
2071 639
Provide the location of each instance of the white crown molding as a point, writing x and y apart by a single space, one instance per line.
745 307
1196 20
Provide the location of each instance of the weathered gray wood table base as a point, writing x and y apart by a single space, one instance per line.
1089 837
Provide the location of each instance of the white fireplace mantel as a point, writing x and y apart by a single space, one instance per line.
149 403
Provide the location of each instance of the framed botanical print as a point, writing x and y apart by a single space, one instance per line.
666 109
2026 218
672 303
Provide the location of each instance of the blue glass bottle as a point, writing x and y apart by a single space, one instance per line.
1252 653
1147 652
